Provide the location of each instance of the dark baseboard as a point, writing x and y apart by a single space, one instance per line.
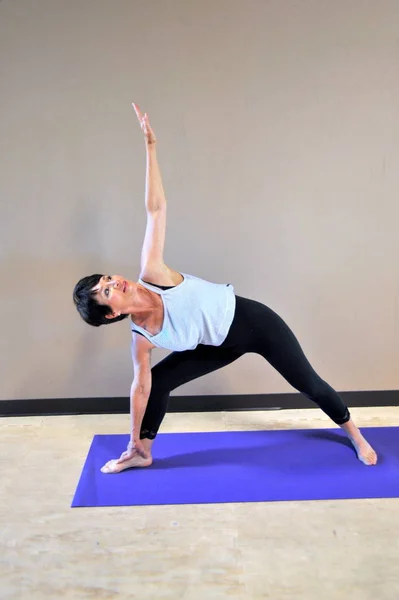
84 406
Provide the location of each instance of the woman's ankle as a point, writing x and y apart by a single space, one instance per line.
147 443
351 430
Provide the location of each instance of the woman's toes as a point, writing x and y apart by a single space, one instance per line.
368 457
109 467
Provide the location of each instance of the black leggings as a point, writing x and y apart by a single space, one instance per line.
255 328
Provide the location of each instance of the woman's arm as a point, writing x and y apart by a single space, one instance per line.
139 394
152 258
141 386
152 261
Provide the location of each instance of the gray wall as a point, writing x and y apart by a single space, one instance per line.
278 138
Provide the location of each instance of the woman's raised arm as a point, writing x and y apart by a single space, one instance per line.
152 260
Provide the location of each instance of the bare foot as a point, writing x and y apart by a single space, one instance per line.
365 452
112 466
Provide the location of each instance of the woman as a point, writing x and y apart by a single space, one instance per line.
204 324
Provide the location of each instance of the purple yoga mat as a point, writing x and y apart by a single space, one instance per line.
242 466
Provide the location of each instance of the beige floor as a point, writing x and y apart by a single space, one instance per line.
295 550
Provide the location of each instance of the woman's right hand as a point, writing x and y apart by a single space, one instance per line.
133 448
149 135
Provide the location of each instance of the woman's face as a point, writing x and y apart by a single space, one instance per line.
117 293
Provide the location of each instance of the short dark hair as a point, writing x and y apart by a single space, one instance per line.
86 302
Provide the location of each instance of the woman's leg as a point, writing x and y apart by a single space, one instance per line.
275 341
175 370
172 372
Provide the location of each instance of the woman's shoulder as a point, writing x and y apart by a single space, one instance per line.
161 275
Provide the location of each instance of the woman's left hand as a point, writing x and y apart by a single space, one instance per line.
149 135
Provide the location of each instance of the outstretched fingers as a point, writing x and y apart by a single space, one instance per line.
138 112
144 124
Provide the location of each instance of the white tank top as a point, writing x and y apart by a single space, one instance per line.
195 312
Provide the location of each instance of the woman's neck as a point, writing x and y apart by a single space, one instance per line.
150 313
